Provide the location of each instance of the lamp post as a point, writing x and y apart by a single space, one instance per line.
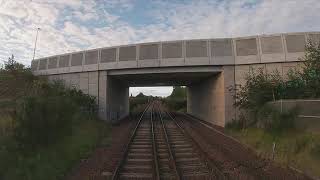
35 44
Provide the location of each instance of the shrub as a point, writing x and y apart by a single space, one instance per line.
48 113
301 143
316 150
275 121
43 120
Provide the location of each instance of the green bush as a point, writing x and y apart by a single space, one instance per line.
301 143
262 87
43 120
48 114
275 121
316 150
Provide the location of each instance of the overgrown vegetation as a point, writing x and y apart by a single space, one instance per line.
262 87
45 127
261 124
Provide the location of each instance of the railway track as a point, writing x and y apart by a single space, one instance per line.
159 148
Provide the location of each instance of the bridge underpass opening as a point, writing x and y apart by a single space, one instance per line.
206 91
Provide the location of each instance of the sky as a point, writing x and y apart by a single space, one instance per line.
72 25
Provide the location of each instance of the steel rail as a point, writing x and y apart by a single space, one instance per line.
154 148
172 158
205 155
115 175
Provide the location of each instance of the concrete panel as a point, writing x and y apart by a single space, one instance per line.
240 74
110 65
149 51
53 62
271 45
246 47
75 69
90 67
274 67
93 77
221 47
76 59
34 65
108 55
102 99
257 68
93 90
314 38
66 79
43 64
221 52
172 50
84 82
127 53
222 60
229 82
75 80
252 59
270 58
196 48
64 61
127 64
148 63
206 100
295 43
117 100
197 61
172 62
91 57
292 57
63 70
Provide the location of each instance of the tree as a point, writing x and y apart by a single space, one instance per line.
178 92
311 70
12 66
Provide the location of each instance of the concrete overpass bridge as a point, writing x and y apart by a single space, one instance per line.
207 67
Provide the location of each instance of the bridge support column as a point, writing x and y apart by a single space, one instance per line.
117 96
211 100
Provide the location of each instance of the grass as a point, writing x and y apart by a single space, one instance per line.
297 149
53 162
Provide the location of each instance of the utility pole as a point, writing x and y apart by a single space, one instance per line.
35 44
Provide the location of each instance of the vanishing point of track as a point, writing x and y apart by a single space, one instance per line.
159 148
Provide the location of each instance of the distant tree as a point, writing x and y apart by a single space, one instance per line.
178 92
140 95
12 65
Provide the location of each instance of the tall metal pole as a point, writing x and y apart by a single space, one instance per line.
35 44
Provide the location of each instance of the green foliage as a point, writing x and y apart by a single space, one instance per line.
43 120
178 92
316 150
262 87
13 66
275 121
48 114
311 70
51 126
53 162
301 143
298 149
177 101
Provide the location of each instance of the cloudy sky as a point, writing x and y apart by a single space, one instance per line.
72 25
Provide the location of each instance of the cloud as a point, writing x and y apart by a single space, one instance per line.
76 25
72 25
